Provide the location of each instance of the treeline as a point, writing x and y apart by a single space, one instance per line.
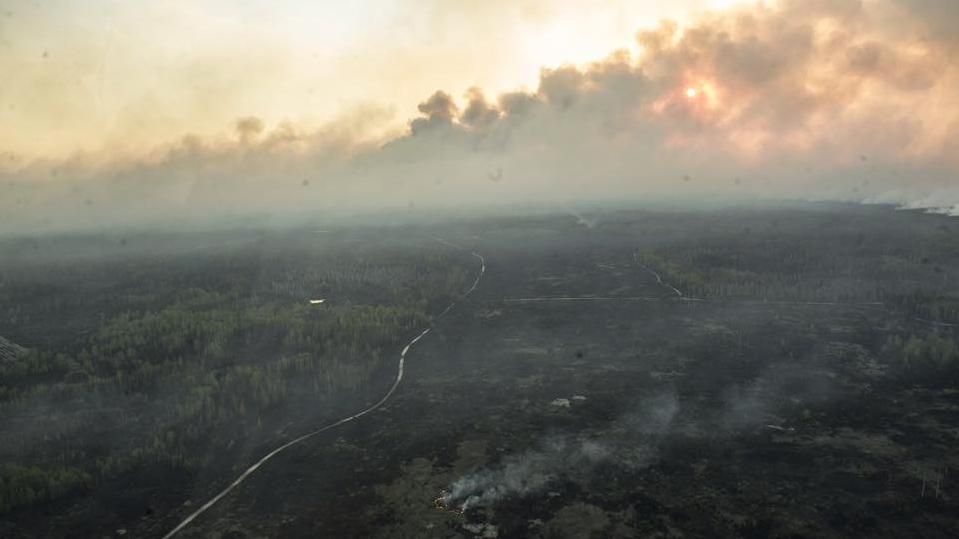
46 303
930 358
132 345
796 272
928 307
25 485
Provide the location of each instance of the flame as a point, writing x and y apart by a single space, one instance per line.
443 504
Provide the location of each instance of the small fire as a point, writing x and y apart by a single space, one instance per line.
443 503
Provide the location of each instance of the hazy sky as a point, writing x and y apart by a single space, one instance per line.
96 74
131 112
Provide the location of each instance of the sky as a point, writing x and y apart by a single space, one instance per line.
98 75
115 112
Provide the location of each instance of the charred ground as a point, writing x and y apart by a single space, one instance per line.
789 371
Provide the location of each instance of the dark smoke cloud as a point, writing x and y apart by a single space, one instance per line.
478 113
439 111
248 128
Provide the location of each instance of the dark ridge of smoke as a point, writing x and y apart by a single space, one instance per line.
248 128
439 109
478 113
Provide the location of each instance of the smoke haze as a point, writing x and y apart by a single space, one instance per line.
828 99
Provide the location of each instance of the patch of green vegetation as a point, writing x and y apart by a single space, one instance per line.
180 380
22 485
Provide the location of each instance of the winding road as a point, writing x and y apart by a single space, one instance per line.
396 382
659 279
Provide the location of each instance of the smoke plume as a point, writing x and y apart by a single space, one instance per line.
827 99
631 441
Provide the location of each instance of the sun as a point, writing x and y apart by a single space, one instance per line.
723 4
691 92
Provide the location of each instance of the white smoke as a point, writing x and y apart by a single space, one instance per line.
756 403
631 441
531 472
634 440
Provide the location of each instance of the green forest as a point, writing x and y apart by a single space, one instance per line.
138 364
905 273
